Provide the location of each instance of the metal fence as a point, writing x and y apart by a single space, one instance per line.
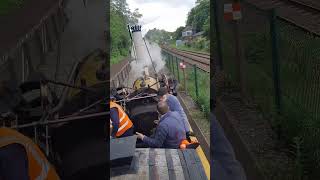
120 77
279 71
193 80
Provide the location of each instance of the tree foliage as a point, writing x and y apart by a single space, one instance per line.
178 32
120 17
159 36
199 16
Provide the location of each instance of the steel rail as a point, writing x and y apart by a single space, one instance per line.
305 10
304 5
200 64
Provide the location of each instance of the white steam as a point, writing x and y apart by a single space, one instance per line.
142 59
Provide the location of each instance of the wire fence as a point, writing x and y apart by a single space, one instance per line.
280 74
193 80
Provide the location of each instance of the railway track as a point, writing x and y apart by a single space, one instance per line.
199 54
301 13
202 60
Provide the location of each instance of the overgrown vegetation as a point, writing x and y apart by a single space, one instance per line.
120 17
298 123
203 80
6 6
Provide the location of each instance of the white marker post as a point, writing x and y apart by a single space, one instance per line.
183 66
232 12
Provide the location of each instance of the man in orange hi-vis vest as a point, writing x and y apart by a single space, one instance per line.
121 124
22 159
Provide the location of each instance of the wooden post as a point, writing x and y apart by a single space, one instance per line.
196 80
239 57
185 80
23 65
275 59
177 62
173 71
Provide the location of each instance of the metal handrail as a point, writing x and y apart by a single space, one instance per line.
61 120
65 90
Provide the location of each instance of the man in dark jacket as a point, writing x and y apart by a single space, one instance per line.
174 105
224 164
170 131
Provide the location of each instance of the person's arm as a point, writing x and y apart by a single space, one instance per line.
177 107
115 121
223 162
159 137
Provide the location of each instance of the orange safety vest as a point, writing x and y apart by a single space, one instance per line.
39 167
125 123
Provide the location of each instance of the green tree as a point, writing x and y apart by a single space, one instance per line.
199 15
178 32
134 16
120 17
206 27
159 36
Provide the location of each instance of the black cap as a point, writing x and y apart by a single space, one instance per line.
162 91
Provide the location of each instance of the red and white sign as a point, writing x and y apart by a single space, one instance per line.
232 11
182 66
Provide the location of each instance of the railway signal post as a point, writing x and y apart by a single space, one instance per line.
183 66
232 13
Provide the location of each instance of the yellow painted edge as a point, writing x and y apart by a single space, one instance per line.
203 158
204 161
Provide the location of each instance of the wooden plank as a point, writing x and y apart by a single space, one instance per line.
199 165
143 166
157 164
161 164
177 164
153 172
191 163
184 165
172 175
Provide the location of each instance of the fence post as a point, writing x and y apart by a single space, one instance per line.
174 75
196 80
177 62
275 58
185 80
169 63
216 21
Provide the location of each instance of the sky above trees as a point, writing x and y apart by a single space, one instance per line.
162 14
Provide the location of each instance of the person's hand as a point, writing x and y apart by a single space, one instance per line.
140 136
188 136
